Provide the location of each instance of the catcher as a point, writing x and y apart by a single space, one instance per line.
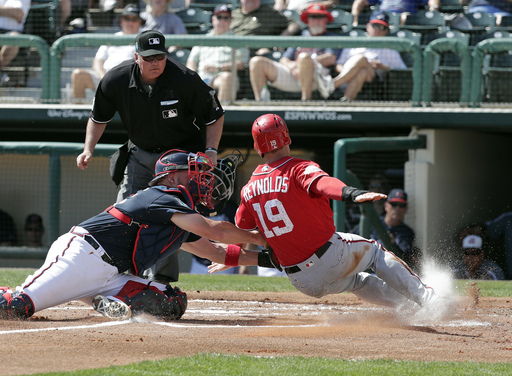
102 260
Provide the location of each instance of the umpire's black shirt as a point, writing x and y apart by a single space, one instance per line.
174 115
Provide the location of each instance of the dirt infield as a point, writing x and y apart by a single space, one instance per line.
73 336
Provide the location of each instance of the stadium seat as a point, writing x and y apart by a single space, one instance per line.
197 21
480 23
497 71
447 82
342 20
409 34
425 22
180 55
294 15
344 5
354 33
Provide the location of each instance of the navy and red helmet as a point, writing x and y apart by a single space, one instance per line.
199 168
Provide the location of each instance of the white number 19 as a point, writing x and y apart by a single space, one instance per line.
280 216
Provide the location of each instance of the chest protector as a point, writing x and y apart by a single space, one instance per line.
155 241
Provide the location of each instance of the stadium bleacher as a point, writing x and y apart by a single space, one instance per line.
25 72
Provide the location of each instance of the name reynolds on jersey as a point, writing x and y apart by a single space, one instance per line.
266 185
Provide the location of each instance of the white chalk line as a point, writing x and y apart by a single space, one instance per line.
219 312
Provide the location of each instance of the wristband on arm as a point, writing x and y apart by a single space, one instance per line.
349 194
232 255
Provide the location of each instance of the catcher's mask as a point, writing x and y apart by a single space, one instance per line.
224 186
269 132
199 168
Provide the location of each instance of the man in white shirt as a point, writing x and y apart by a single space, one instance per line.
361 64
13 14
108 57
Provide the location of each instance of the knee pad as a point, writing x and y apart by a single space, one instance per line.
15 306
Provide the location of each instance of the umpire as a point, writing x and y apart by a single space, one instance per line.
162 104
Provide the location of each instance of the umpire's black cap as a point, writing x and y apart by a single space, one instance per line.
150 42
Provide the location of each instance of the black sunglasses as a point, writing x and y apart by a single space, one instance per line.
131 19
399 204
151 58
316 16
476 252
379 26
222 18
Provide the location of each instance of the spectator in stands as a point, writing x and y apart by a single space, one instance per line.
7 230
300 70
360 65
473 264
13 14
397 6
213 63
34 231
158 16
401 235
74 13
253 18
108 57
501 228
301 5
496 7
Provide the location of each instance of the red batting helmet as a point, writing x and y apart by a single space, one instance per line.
269 132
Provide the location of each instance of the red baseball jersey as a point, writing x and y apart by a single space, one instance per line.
277 200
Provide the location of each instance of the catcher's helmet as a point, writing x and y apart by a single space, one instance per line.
199 169
269 132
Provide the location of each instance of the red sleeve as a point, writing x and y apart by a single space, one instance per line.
328 186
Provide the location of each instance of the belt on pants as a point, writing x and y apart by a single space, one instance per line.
105 257
319 253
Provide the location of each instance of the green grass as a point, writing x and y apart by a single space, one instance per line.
226 365
223 282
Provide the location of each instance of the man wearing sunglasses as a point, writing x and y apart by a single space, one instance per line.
213 63
162 105
474 265
401 235
359 65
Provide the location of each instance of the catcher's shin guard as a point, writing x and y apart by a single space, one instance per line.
170 305
15 305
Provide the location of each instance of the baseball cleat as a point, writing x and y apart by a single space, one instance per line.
325 83
114 309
